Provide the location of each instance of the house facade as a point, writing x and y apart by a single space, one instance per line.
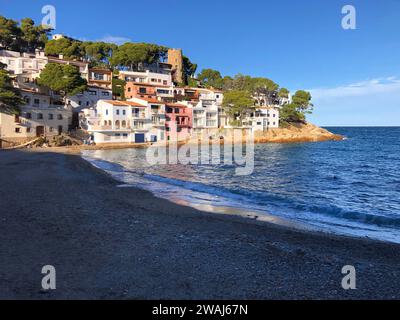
160 76
39 117
178 121
205 105
263 118
115 121
147 91
23 63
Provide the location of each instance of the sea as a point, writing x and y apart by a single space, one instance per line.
349 187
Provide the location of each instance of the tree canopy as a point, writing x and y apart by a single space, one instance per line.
10 34
24 37
69 48
134 55
65 79
10 98
210 78
189 69
98 53
297 110
237 103
283 93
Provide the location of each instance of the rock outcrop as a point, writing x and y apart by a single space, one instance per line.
296 133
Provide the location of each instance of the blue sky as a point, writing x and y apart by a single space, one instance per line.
354 75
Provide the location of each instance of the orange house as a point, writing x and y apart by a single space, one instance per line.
140 90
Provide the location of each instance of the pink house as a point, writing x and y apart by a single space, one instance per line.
178 122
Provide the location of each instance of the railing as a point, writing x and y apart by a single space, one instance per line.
138 116
109 128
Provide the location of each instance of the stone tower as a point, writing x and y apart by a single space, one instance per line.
175 59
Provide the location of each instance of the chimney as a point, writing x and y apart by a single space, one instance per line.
61 56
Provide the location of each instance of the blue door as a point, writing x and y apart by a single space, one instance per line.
139 137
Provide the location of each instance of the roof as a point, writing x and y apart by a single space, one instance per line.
141 84
100 69
151 100
51 59
123 103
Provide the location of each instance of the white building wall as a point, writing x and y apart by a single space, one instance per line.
23 63
120 122
89 98
147 77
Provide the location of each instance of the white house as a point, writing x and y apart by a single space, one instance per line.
23 63
89 98
151 75
263 118
115 121
38 117
157 112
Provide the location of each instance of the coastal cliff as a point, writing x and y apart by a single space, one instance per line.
296 133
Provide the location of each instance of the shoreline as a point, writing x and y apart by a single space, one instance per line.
231 210
124 243
294 133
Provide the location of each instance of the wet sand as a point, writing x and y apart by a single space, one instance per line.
123 243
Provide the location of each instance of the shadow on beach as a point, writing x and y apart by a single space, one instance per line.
123 243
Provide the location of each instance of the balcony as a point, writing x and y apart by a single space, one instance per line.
109 128
138 115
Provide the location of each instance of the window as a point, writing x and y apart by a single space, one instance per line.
51 116
165 82
87 103
153 80
169 110
51 129
98 76
40 116
92 93
17 130
36 101
176 110
259 123
142 90
105 93
162 91
124 112
28 130
106 112
28 115
80 103
117 112
60 117
159 80
217 96
129 89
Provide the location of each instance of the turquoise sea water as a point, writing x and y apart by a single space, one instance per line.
349 187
